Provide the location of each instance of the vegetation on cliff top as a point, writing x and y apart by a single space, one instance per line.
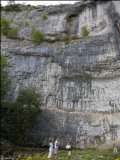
14 7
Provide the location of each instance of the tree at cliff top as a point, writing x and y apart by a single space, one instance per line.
12 6
11 1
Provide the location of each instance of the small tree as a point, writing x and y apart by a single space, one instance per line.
5 84
5 78
12 6
20 116
29 97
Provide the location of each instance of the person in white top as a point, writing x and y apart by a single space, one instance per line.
69 149
56 146
50 155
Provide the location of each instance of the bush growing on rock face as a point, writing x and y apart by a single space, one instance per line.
44 17
69 38
37 36
70 16
5 78
85 32
13 33
26 23
7 30
5 26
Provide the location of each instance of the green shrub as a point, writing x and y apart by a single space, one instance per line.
37 36
29 97
12 7
13 33
20 115
5 26
71 15
68 18
5 78
85 32
7 30
44 17
26 23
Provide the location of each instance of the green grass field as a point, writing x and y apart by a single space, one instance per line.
89 154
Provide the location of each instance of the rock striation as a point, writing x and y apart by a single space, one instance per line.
79 80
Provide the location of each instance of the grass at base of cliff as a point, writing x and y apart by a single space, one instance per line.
88 154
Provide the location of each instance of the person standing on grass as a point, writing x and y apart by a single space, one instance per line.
69 149
115 152
115 149
50 154
56 146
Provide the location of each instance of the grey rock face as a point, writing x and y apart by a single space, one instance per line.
79 81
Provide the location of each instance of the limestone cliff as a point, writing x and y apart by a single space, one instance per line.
79 80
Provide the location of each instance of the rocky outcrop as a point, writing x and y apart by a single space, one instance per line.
79 80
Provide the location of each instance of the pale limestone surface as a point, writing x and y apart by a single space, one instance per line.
79 81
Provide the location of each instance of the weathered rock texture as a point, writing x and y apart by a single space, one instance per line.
79 81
